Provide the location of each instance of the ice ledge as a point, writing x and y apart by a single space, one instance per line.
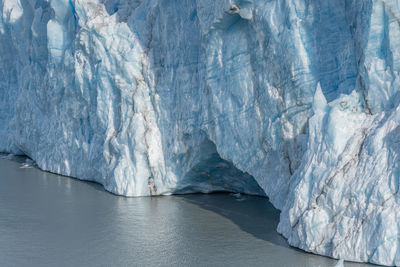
151 97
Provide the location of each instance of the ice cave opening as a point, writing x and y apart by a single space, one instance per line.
214 174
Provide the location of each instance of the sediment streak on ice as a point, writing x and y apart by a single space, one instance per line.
294 99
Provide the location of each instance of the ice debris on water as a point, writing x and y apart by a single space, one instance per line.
296 100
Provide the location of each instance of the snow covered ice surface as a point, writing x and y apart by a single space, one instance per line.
295 99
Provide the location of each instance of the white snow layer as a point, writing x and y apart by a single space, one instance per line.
295 99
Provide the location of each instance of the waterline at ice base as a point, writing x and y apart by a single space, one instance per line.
295 100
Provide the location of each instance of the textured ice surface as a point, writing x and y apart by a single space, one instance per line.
295 99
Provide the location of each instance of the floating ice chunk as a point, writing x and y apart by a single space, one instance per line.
340 263
237 195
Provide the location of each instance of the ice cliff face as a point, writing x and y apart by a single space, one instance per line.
295 99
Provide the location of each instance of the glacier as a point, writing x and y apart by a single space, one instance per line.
293 99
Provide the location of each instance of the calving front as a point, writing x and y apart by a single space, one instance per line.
293 99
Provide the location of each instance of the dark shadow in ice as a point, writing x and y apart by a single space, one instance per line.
214 174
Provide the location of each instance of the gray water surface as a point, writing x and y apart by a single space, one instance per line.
51 220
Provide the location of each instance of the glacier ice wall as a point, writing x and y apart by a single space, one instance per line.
294 99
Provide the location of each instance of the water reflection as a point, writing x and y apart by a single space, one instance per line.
50 220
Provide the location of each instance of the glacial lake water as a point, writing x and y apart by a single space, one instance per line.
51 220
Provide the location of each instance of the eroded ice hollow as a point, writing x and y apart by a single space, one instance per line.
294 99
